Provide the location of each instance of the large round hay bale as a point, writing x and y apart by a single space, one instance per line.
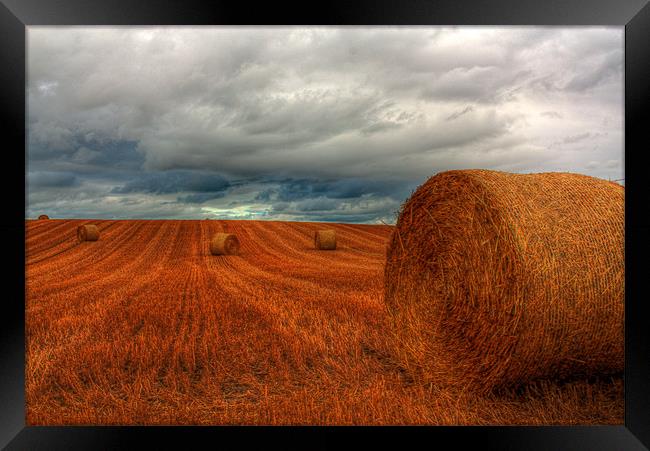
87 232
43 217
495 279
224 244
325 240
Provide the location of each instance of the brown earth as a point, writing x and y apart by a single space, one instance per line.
144 326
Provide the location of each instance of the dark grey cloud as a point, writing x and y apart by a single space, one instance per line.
200 198
85 154
320 204
174 182
44 179
292 190
314 123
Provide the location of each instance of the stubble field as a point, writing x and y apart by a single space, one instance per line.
144 326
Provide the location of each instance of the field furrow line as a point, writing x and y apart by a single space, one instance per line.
347 238
283 249
167 364
70 239
346 242
121 267
47 242
360 240
73 244
341 259
244 274
277 266
377 232
58 235
46 228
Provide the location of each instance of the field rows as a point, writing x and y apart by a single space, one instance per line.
145 326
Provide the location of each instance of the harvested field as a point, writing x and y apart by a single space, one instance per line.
145 326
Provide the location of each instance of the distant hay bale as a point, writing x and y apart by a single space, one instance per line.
495 279
325 239
43 217
88 232
224 244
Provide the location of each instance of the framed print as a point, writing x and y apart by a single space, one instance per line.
264 224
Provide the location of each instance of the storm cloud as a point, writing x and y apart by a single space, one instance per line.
174 182
307 123
45 179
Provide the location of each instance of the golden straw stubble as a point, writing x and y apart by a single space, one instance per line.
88 232
325 240
224 244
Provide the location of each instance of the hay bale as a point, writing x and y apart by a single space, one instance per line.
43 217
325 240
224 244
495 279
87 232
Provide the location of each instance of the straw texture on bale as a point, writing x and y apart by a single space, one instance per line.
224 244
325 240
43 217
495 279
88 232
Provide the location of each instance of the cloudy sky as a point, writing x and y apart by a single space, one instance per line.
311 124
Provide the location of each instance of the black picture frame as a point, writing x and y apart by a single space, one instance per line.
15 15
